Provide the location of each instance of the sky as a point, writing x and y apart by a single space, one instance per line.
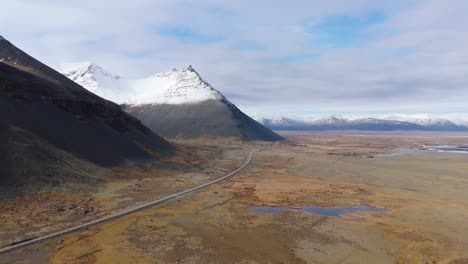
301 58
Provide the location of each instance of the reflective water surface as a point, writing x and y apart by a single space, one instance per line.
336 211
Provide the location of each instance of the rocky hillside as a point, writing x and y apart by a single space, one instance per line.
49 125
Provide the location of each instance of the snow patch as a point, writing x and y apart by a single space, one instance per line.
176 86
90 76
332 120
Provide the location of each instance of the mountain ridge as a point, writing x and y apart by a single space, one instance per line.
175 86
380 124
178 103
45 117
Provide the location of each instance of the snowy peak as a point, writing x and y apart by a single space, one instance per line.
371 120
85 68
186 84
285 121
175 72
332 120
87 74
176 86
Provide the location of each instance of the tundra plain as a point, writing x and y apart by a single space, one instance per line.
425 194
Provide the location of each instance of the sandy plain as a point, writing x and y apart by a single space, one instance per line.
426 194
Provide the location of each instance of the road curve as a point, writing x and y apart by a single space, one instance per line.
132 210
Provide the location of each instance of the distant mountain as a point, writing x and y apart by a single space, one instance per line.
329 123
381 125
371 124
283 123
50 126
439 124
175 104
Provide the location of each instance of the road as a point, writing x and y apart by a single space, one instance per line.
133 210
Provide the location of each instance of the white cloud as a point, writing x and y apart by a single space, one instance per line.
416 60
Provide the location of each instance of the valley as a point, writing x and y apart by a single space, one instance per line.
243 132
96 168
45 209
423 194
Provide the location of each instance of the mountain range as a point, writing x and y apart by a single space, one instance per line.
371 124
50 125
177 103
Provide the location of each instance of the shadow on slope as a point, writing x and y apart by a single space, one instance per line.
210 118
43 113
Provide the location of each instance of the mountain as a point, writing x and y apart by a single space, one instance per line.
284 123
175 104
88 75
293 124
438 124
432 124
375 124
50 126
371 124
339 123
329 123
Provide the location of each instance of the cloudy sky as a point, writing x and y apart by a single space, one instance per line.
302 58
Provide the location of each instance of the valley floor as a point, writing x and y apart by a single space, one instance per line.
425 194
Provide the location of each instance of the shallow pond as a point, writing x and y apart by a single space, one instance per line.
269 209
408 151
339 210
336 211
398 152
453 149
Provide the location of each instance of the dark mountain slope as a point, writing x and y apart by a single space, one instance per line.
58 114
211 118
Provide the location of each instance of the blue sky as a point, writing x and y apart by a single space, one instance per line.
186 34
302 58
345 30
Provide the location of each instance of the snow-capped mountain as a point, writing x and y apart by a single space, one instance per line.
431 121
175 103
441 124
340 123
381 125
332 120
89 75
283 121
176 86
